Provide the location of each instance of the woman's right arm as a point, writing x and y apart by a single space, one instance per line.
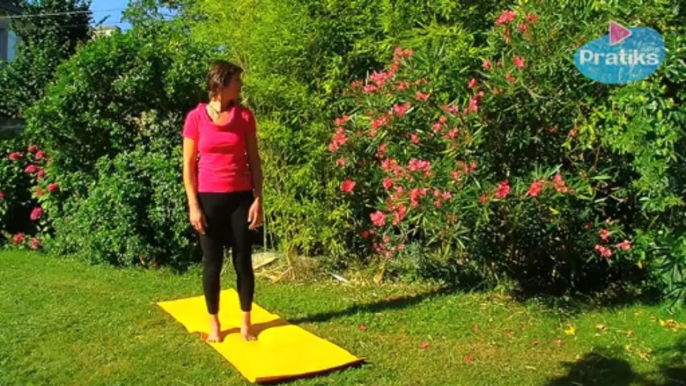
190 182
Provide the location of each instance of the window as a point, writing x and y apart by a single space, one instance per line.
11 45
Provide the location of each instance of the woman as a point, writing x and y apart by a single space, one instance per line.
224 187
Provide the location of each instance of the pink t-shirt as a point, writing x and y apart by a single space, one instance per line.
223 165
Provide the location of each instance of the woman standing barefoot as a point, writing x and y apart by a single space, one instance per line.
224 187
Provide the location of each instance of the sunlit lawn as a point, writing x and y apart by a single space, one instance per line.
66 323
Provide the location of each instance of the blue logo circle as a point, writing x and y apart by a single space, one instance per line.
622 56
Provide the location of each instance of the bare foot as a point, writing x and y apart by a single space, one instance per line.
215 330
245 328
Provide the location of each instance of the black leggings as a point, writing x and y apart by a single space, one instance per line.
227 226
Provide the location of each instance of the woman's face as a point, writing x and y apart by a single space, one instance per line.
233 90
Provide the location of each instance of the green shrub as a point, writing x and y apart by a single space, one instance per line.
112 121
23 183
533 116
299 56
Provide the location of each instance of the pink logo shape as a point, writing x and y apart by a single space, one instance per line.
618 33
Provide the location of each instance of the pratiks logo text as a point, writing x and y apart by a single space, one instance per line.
624 55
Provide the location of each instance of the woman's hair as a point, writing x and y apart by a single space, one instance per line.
220 74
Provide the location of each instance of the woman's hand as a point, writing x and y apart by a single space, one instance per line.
198 220
255 214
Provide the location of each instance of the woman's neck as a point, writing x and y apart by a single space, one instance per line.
218 105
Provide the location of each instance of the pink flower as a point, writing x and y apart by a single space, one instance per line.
437 127
33 148
2 196
523 27
450 109
473 104
400 110
447 195
421 96
604 234
402 86
365 234
624 245
382 151
415 195
483 199
506 17
604 252
339 162
41 174
510 78
400 213
355 84
15 156
380 122
415 139
532 18
502 190
378 218
341 121
347 186
18 238
35 243
388 164
39 192
560 184
452 134
456 175
573 133
40 155
379 78
472 83
486 65
394 69
339 139
519 62
400 53
416 165
536 188
387 183
31 169
369 89
36 214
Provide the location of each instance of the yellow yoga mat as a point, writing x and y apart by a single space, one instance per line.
281 351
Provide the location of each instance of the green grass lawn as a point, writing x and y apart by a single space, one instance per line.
66 323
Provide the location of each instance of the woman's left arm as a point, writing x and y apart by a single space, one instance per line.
255 163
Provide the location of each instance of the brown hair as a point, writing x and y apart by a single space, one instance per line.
220 74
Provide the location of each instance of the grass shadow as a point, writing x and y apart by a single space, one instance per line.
374 307
579 303
601 367
607 367
673 363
